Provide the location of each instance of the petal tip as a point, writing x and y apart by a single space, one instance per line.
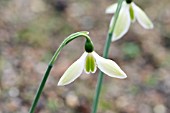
114 38
60 84
151 26
124 76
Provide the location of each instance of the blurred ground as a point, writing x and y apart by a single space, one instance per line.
31 31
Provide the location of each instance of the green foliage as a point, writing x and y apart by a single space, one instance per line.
134 89
131 50
41 29
3 2
166 61
31 36
52 105
152 81
105 105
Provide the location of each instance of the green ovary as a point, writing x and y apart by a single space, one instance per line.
90 63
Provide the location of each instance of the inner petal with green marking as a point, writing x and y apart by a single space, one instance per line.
132 15
90 64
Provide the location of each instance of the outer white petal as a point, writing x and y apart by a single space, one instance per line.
109 67
142 17
73 72
111 9
122 24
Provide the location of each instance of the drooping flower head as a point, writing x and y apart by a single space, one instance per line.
129 12
89 62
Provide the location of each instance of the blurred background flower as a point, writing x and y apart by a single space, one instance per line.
31 31
129 13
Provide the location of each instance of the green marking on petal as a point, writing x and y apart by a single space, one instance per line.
87 64
131 11
90 63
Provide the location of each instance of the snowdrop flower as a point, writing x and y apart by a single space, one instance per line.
89 62
129 13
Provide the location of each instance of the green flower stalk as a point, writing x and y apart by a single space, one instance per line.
105 55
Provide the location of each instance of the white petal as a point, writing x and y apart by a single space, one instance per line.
73 72
111 9
122 24
142 17
109 67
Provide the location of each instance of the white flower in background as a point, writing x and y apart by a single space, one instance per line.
89 62
129 13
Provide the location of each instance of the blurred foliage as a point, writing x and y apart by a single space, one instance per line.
39 31
52 105
166 63
104 105
152 81
3 2
134 89
131 50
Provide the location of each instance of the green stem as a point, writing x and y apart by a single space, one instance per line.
42 84
39 91
100 77
105 55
